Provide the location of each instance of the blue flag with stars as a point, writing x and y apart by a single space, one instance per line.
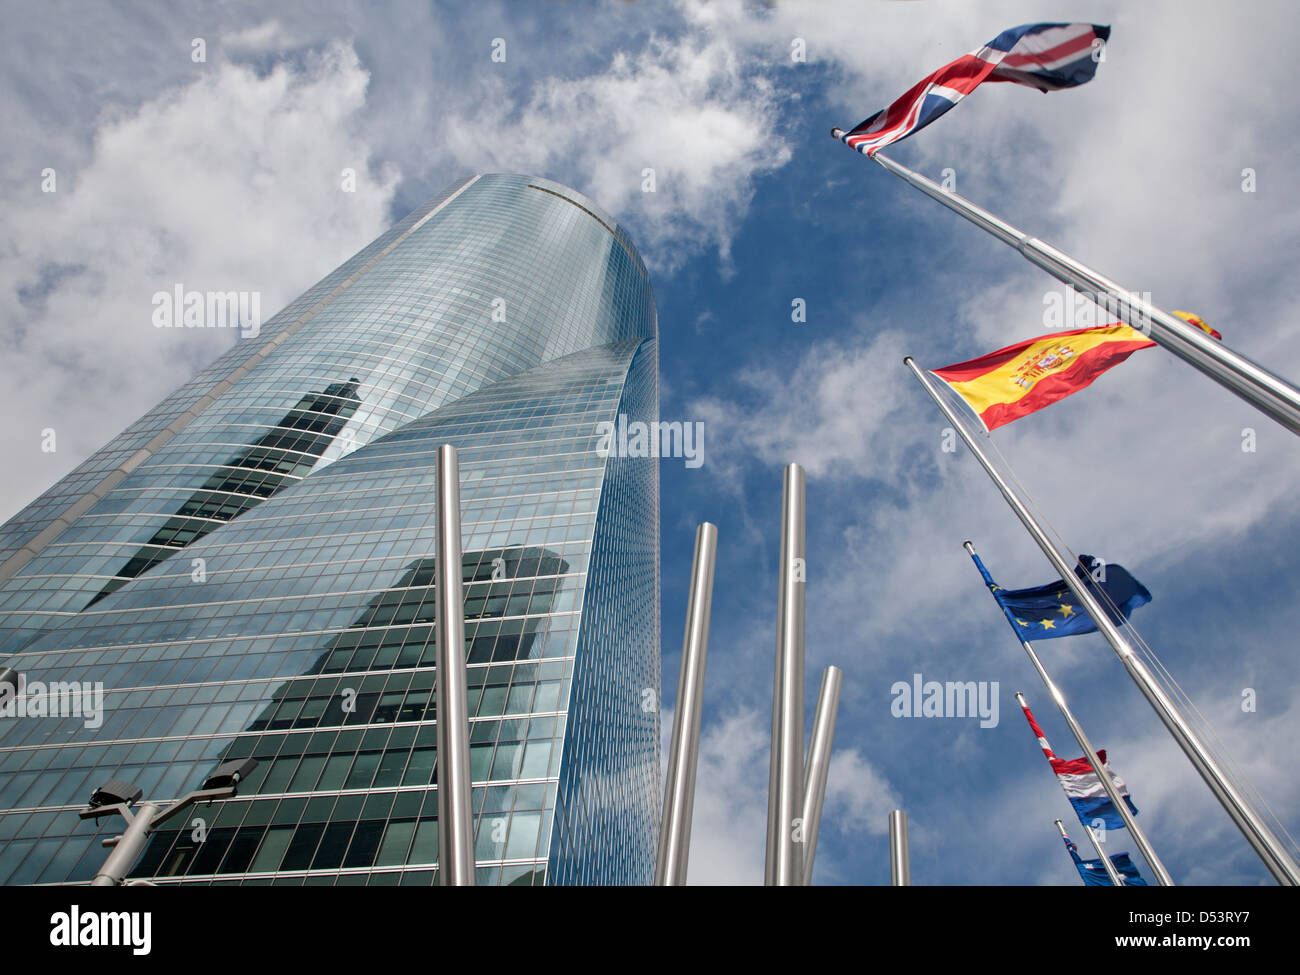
1052 610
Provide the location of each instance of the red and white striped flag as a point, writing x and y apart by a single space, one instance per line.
1080 782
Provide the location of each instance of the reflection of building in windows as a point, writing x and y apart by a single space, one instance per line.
284 454
510 595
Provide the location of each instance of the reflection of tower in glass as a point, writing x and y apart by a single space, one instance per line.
508 317
395 632
282 455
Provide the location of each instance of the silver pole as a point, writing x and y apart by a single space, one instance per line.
128 847
1257 833
1266 391
900 857
679 794
1116 880
785 778
817 769
1090 753
455 821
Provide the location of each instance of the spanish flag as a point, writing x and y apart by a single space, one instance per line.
1199 322
1012 382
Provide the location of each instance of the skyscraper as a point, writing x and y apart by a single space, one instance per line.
248 570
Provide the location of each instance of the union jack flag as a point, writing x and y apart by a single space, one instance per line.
1042 56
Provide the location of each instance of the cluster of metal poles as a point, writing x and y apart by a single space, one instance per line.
797 781
796 784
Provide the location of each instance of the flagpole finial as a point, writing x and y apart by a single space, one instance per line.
968 546
837 133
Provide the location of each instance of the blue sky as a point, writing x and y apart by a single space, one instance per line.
224 174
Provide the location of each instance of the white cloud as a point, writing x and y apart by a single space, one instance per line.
729 829
858 798
686 108
269 35
833 411
231 182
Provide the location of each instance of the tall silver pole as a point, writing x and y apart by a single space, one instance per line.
1266 391
900 857
679 793
1116 879
1257 833
455 821
128 847
773 772
785 778
1090 753
819 763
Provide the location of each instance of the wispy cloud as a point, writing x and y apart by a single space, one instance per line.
671 137
233 181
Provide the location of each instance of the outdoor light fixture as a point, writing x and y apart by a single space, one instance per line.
116 796
113 792
230 773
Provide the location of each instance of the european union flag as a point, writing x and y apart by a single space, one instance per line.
1051 610
1094 874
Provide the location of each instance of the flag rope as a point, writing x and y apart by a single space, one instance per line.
1213 740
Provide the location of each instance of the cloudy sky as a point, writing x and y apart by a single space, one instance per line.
224 173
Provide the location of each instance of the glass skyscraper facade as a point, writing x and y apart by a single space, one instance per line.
248 571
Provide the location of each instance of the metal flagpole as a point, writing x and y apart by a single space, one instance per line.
900 858
1116 878
455 820
1266 391
1261 838
1076 729
785 777
679 794
818 765
1112 793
